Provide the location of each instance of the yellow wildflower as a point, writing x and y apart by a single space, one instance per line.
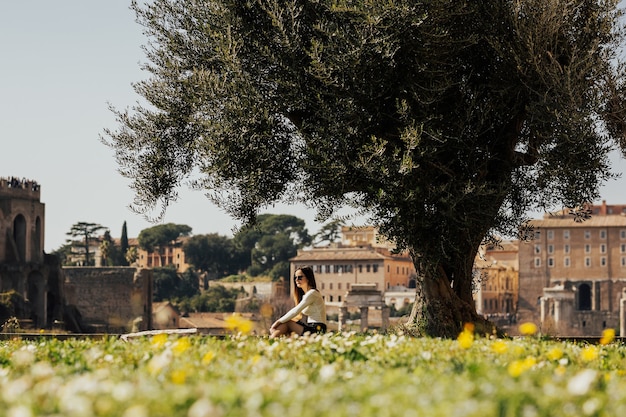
607 336
529 362
466 339
499 346
158 340
468 327
555 354
515 368
236 322
181 345
178 376
518 367
528 328
589 353
208 357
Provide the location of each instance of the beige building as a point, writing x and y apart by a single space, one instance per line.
172 254
573 274
360 258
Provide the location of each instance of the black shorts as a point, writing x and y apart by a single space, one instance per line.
313 327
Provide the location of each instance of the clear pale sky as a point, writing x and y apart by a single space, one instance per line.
61 63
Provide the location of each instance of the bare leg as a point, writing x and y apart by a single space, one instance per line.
287 328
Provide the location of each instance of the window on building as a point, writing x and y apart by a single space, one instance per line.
622 248
603 261
566 262
550 234
330 298
565 234
603 248
622 234
537 249
623 261
587 261
323 285
537 262
566 249
339 285
360 268
584 297
330 285
328 269
368 267
551 262
550 249
587 234
339 298
537 234
587 248
388 268
603 234
375 268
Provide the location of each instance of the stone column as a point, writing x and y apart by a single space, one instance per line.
385 316
622 315
364 312
343 313
543 303
595 296
557 312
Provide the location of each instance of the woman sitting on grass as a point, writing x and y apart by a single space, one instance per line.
309 302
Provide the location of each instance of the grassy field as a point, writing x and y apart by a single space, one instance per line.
335 374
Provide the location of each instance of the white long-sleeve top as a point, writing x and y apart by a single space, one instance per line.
312 305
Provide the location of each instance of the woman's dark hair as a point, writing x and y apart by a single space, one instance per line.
298 293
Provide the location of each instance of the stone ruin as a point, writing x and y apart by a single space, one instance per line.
364 297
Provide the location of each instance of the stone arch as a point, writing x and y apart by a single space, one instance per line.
19 237
36 295
584 297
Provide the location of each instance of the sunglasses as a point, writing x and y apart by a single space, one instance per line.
298 277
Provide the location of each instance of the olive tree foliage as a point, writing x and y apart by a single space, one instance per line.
443 121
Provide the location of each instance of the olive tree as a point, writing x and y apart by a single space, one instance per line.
442 121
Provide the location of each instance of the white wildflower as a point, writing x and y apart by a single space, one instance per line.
581 383
327 372
136 411
204 408
591 406
19 411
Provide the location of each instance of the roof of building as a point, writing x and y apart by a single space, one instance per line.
342 254
160 305
615 220
203 321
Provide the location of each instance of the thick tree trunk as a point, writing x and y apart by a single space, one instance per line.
443 306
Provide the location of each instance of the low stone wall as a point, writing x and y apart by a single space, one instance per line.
261 289
114 299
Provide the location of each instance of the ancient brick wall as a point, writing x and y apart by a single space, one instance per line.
114 299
